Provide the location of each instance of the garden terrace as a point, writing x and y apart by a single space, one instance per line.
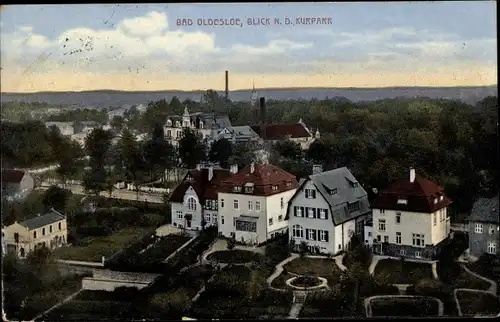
478 303
395 271
102 246
240 292
93 305
487 266
323 267
404 307
171 302
234 256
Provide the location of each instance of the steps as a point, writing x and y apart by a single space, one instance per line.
299 297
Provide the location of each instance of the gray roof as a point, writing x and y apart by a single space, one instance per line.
42 220
340 179
485 210
210 120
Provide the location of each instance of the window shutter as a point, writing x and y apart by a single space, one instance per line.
314 213
315 234
307 234
326 235
313 193
302 211
326 213
295 211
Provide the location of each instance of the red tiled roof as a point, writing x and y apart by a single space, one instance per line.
281 131
12 176
420 195
204 189
264 177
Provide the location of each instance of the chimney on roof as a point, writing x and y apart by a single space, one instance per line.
210 172
234 168
263 118
252 167
227 85
317 168
412 175
198 166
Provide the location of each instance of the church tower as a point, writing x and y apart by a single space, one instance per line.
255 97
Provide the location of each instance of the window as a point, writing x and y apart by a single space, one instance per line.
435 200
398 238
270 221
418 240
323 235
479 229
355 184
282 201
250 205
274 188
441 198
379 238
417 254
50 229
340 246
237 189
43 231
322 213
310 193
257 205
402 252
222 203
382 211
222 220
191 204
246 226
386 239
207 218
298 231
434 219
333 191
492 248
369 234
381 224
298 211
34 234
280 218
179 214
169 133
178 134
492 230
236 204
398 218
234 221
311 213
59 226
353 206
311 234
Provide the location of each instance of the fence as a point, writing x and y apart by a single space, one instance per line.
82 263
132 187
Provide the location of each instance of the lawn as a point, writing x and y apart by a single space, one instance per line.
478 303
323 267
487 266
93 305
239 292
404 307
396 271
102 246
454 274
164 248
234 256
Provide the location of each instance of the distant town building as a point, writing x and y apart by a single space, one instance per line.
66 128
208 125
298 133
238 134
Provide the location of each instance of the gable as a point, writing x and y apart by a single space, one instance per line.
299 198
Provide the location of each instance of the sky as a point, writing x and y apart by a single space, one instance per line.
177 46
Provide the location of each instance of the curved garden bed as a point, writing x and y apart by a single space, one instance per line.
234 256
305 281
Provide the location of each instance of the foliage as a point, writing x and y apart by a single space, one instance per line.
56 198
303 249
230 243
358 253
221 151
191 148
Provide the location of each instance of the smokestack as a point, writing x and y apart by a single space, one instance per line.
227 85
263 118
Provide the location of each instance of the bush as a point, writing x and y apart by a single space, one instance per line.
230 243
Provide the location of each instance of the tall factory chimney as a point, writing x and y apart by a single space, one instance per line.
263 123
227 85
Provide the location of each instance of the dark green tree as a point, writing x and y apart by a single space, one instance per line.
191 148
221 151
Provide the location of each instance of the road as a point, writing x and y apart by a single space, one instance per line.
117 194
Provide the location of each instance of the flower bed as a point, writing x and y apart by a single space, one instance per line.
305 281
395 271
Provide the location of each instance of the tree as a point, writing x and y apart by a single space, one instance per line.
117 123
133 159
97 145
243 154
56 198
288 149
220 151
159 154
319 152
191 148
69 160
303 249
176 106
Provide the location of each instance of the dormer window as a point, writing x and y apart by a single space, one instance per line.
288 184
435 200
274 187
354 184
402 202
249 187
353 206
441 198
169 123
333 191
237 189
189 177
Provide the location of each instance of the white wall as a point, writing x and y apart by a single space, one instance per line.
183 207
411 223
368 235
274 211
308 223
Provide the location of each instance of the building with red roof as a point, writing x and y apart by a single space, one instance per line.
298 133
410 218
194 200
253 203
